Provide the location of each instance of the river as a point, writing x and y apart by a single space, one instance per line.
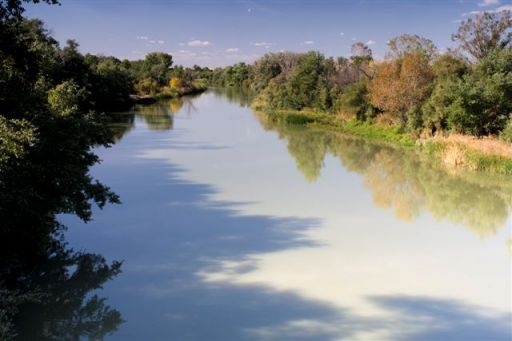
232 227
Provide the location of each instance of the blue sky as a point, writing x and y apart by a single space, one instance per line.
222 32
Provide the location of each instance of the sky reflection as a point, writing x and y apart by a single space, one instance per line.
225 237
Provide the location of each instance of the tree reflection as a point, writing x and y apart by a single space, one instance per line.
236 95
50 297
402 179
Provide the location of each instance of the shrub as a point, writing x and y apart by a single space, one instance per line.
353 100
506 134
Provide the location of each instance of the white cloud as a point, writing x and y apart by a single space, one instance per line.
262 44
370 42
354 39
342 34
308 42
503 8
495 10
198 43
142 38
152 41
232 50
160 42
181 44
489 3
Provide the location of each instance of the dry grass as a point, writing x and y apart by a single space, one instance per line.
485 145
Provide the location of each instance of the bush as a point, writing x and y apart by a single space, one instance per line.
506 134
298 119
353 100
482 100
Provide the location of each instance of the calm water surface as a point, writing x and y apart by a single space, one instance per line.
235 228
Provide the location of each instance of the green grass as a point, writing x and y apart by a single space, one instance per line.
363 129
489 163
474 161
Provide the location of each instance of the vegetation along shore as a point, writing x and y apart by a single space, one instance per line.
456 104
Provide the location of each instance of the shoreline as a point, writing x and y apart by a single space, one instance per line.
458 152
150 99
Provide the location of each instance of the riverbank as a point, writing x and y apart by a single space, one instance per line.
168 93
452 151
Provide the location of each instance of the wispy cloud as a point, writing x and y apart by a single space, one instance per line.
156 42
232 50
342 34
370 42
489 3
142 38
262 44
198 42
308 42
494 10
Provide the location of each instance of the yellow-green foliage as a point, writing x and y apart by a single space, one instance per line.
175 83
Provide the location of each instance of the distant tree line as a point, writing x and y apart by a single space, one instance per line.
467 90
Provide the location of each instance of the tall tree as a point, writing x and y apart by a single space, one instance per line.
401 85
485 32
408 43
360 50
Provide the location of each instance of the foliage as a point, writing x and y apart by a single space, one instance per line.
353 100
506 134
175 83
408 43
360 50
307 86
399 86
484 33
482 100
49 125
449 66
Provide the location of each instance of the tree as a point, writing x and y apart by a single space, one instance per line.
307 85
156 67
449 66
448 70
407 43
482 100
360 51
13 9
353 100
400 86
485 32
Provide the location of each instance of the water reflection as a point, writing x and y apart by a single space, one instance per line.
48 291
402 180
234 95
223 239
52 297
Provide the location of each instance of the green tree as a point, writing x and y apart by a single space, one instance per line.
482 100
307 85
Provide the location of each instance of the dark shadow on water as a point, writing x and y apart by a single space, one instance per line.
421 318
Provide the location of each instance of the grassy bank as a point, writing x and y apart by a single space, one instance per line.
454 152
196 87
